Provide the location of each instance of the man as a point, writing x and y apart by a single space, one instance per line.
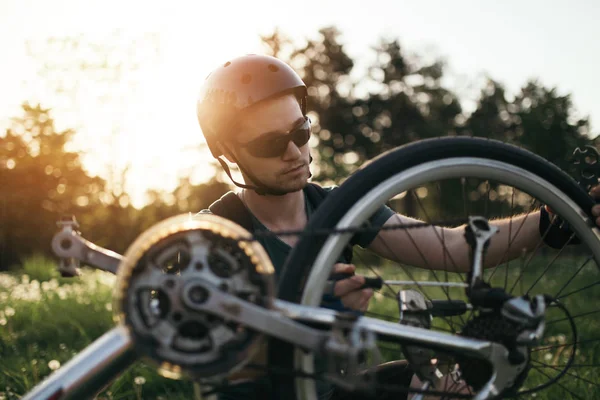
252 111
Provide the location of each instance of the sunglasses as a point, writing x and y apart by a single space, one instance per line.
275 146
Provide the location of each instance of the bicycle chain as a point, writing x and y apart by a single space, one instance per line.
340 231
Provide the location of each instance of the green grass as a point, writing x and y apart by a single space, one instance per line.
45 320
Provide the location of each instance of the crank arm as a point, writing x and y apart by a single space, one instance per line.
269 322
72 248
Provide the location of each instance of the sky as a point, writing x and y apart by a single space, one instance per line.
146 120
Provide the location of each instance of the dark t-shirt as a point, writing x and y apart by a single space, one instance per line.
278 252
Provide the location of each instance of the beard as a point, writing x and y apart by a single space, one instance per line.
282 182
289 184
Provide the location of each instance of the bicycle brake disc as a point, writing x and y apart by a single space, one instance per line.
156 280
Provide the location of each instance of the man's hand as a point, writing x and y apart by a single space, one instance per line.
346 289
595 193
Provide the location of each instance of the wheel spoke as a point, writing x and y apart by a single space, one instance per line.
391 289
574 365
572 317
543 365
563 287
445 251
440 239
528 262
578 290
511 240
545 270
557 383
410 275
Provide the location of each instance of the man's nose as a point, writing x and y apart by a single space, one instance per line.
291 152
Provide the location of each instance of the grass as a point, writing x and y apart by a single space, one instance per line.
45 320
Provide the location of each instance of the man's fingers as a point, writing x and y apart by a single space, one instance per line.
348 289
348 285
352 300
366 295
358 299
340 268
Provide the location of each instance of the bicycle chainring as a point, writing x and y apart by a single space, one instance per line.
150 295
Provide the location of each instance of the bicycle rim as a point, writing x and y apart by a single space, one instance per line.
532 179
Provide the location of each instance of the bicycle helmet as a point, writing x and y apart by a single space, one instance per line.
236 86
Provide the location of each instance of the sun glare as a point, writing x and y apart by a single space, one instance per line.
127 85
138 111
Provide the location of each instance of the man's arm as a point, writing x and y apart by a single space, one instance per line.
446 248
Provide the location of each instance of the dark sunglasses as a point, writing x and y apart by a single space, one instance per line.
275 146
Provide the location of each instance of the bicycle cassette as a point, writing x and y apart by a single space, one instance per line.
167 269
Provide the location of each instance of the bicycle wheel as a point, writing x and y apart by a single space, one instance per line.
446 179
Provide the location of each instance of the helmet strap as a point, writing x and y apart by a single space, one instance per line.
260 188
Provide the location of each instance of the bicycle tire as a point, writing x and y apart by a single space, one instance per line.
300 263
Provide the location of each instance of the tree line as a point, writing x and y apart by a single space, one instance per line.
401 99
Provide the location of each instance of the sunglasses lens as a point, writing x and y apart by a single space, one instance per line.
272 148
276 147
301 136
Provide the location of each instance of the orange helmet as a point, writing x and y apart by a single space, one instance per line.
239 84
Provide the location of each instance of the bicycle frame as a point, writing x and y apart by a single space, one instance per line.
95 367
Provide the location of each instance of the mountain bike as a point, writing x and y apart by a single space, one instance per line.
196 295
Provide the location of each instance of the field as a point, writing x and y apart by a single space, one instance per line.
45 320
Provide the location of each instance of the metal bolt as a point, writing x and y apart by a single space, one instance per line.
198 294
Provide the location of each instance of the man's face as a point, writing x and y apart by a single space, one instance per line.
266 122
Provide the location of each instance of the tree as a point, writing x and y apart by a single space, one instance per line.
547 124
403 99
186 198
406 100
41 180
325 68
411 102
